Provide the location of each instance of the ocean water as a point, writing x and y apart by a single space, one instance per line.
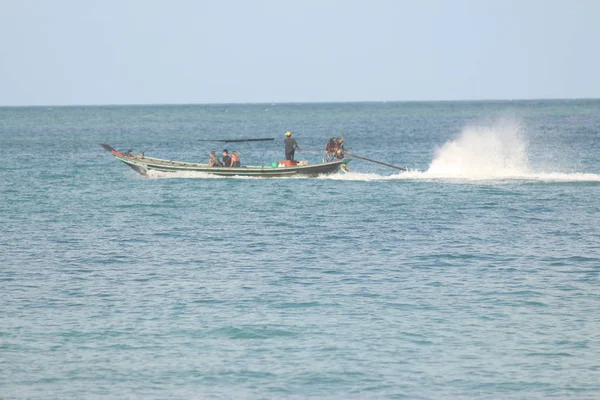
476 274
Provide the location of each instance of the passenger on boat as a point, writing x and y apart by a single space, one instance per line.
235 159
290 146
226 159
214 160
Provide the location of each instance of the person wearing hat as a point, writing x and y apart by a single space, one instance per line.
290 146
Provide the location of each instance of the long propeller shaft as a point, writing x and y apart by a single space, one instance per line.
375 161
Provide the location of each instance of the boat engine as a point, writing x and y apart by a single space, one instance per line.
334 149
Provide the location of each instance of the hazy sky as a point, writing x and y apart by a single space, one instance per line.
145 51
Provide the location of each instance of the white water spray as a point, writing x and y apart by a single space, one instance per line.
497 151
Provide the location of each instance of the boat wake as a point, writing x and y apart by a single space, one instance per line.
497 152
427 176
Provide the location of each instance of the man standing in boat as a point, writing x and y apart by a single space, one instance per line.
290 146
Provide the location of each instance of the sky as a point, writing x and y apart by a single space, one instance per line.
73 52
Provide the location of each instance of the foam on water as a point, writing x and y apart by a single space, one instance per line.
418 175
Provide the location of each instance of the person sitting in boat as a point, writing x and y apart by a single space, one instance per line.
290 146
235 159
214 160
226 162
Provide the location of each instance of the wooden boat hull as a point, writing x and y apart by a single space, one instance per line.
144 165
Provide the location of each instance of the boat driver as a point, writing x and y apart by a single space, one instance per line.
290 146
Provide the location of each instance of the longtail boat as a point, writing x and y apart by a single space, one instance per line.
143 165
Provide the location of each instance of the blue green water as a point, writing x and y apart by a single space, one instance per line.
474 275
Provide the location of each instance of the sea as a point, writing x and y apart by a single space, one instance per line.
475 274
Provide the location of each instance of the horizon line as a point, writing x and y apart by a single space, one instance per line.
297 102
